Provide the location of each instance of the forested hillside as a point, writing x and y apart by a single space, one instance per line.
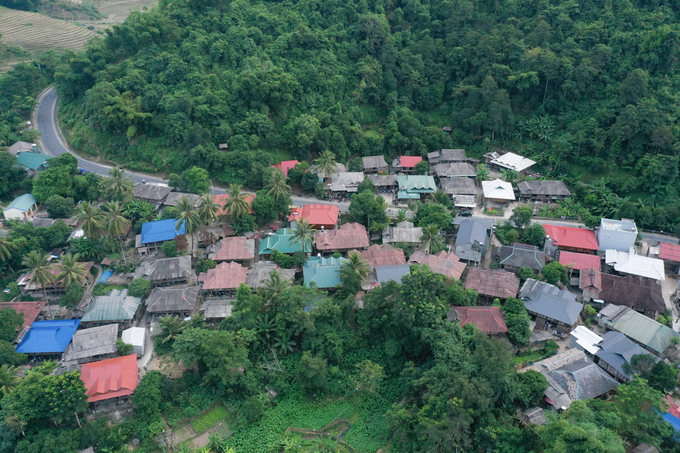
586 88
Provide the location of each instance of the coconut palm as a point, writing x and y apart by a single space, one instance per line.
236 205
482 172
207 209
118 185
326 164
273 286
115 224
431 240
277 185
304 235
354 265
440 197
172 327
185 212
7 247
92 219
36 262
71 271
8 379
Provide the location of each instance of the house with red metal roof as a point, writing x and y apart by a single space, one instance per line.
571 239
30 310
579 261
110 378
319 216
286 165
221 199
350 236
669 252
489 320
224 279
406 164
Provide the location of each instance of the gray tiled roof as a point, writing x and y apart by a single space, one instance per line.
261 270
616 349
172 299
151 192
471 231
383 180
165 269
550 301
174 198
374 162
455 169
543 189
91 342
520 255
458 186
446 155
391 272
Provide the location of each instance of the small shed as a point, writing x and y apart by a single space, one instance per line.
136 336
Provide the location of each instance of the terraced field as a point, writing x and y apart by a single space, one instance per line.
37 33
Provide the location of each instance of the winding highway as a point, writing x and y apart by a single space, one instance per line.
53 144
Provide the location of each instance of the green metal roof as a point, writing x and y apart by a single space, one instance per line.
33 160
644 330
282 241
116 306
22 203
325 272
417 184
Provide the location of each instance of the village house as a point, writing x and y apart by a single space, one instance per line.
223 280
442 156
239 249
580 240
402 232
614 351
112 378
48 338
33 163
115 307
350 236
153 193
634 264
472 240
616 235
215 310
21 208
261 271
459 186
319 216
282 241
516 256
576 262
492 284
375 164
30 310
498 192
31 287
393 272
345 182
406 164
173 199
285 166
415 187
648 333
555 309
489 320
670 254
639 293
154 234
23 147
586 340
135 336
542 191
454 170
173 301
511 161
443 263
383 181
383 255
590 282
166 271
90 345
323 272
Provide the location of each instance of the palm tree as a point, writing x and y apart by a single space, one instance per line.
8 379
440 197
207 209
354 265
277 185
92 219
71 270
482 172
273 286
172 327
115 223
284 343
37 263
304 235
431 239
186 213
326 164
236 205
7 247
118 185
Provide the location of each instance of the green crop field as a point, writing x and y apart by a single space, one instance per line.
37 33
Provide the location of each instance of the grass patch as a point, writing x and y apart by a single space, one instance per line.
100 289
209 419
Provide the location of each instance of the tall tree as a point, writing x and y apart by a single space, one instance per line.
354 265
326 164
115 223
272 287
172 327
277 185
185 212
7 249
118 186
207 209
71 271
304 235
431 240
236 205
92 219
37 263
8 379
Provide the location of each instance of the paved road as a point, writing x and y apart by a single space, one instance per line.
53 144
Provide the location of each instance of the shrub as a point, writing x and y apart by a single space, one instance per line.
282 260
139 287
169 248
124 348
205 265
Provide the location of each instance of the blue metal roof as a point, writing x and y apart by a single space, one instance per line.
161 230
48 337
673 420
391 272
22 203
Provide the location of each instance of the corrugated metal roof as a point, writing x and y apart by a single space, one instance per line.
282 241
172 299
22 203
261 270
443 263
416 184
33 160
316 214
325 272
579 261
670 252
225 276
117 306
176 268
161 230
45 337
349 236
286 165
486 319
91 342
391 272
563 236
643 330
110 378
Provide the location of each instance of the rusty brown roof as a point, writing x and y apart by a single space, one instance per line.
383 255
349 236
443 263
492 283
235 249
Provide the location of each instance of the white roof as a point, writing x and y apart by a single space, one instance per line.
513 161
630 263
587 339
498 190
465 201
134 336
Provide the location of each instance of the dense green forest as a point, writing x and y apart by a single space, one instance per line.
587 89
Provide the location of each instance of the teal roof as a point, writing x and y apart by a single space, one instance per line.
22 203
115 306
325 272
644 330
417 184
402 194
282 241
32 160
